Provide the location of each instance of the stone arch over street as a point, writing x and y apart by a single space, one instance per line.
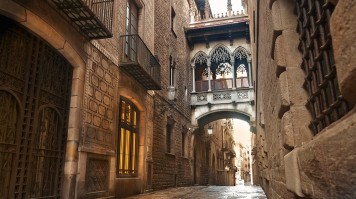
202 115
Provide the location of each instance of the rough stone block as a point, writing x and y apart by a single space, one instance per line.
282 15
287 131
300 121
297 94
292 173
284 92
343 31
290 42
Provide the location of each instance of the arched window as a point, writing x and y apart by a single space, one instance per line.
128 139
241 76
224 70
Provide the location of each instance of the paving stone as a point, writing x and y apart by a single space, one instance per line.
206 192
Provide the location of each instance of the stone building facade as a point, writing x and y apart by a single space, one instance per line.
171 135
74 81
303 58
222 88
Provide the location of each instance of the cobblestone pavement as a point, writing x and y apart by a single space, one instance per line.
206 192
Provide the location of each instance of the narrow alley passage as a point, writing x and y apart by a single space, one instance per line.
207 192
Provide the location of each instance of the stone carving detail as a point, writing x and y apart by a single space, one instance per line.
222 96
242 95
99 103
97 173
240 53
224 71
241 71
98 137
201 97
200 58
205 74
220 54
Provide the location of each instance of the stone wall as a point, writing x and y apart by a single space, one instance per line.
171 169
291 161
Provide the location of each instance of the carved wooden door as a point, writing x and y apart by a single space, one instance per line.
35 82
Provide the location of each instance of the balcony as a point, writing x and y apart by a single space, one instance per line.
93 18
138 61
222 96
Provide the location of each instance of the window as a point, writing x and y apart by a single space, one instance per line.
168 138
173 22
241 76
128 138
325 101
131 29
183 143
172 65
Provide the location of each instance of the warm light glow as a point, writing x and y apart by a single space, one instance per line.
210 131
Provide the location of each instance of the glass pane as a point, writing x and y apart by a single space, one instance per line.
122 144
134 118
128 114
134 145
127 150
122 117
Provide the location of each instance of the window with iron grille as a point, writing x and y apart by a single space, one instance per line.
128 139
168 138
325 102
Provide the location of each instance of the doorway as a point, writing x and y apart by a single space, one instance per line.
35 82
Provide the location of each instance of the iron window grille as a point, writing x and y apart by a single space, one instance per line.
325 102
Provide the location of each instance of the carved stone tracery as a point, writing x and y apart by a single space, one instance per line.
220 54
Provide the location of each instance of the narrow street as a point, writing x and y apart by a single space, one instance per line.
207 192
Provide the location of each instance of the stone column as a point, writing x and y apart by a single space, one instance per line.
249 60
208 63
193 71
232 62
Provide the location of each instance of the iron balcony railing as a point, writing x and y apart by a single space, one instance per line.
138 61
93 18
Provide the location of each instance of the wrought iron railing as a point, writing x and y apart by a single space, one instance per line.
92 17
138 60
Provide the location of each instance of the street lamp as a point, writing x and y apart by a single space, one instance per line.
210 131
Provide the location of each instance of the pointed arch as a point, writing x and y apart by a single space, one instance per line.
200 58
220 53
241 53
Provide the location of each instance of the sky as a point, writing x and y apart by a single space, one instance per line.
220 6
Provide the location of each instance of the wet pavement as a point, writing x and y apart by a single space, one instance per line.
207 192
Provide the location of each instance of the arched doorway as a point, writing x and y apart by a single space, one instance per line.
35 82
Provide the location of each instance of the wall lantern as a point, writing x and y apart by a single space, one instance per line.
210 131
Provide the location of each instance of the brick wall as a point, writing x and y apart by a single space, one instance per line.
171 169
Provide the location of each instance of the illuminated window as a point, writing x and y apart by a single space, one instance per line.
128 139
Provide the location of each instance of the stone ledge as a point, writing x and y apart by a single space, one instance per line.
328 162
292 173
